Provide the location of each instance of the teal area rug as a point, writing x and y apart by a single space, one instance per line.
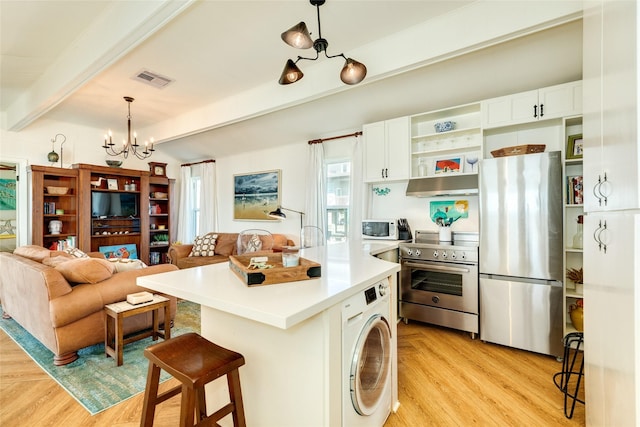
94 380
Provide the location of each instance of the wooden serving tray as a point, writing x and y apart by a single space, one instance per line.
305 270
519 149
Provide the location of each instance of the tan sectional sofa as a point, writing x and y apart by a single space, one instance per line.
62 315
226 245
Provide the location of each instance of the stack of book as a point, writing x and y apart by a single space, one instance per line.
574 190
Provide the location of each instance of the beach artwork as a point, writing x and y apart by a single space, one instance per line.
255 195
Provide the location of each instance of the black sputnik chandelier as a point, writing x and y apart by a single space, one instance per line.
298 36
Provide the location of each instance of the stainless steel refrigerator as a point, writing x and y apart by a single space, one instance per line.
521 252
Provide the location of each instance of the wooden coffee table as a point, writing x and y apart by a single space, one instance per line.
114 341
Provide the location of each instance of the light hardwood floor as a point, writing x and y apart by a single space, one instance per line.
445 379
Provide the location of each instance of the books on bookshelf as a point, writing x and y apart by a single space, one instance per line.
575 192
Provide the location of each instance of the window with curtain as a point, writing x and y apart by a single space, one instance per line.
195 205
338 181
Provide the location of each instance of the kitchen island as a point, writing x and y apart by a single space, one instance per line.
290 334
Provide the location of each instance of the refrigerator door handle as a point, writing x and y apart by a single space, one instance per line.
553 283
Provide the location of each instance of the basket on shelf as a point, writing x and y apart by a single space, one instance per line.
57 191
516 150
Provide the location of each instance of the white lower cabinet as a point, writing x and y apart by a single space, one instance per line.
386 150
611 294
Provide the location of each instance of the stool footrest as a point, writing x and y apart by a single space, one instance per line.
219 414
168 394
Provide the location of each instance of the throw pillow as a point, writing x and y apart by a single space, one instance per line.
254 244
86 270
126 264
204 245
76 253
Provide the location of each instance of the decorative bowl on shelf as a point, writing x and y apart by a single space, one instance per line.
58 191
159 195
444 126
114 163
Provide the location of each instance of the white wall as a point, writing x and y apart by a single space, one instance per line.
291 160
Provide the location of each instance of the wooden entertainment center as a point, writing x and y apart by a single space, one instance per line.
101 207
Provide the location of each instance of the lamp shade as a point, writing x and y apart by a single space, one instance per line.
353 72
298 36
290 74
277 214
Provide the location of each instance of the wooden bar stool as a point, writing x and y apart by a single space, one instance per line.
194 361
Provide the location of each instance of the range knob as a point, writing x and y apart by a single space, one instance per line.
409 252
418 252
444 254
463 255
453 255
435 254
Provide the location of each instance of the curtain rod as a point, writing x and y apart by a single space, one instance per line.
197 163
321 140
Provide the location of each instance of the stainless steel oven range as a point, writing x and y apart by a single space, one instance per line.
439 280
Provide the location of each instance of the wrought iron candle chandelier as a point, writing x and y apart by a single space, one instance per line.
129 145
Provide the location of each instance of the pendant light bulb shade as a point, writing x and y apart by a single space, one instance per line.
353 72
298 36
290 74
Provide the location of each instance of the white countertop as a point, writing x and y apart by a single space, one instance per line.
346 269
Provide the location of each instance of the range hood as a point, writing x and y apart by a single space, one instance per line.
450 185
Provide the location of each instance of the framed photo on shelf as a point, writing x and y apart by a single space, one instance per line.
574 147
112 184
255 195
448 165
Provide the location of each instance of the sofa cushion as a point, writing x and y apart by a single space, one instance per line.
86 270
226 244
204 245
33 252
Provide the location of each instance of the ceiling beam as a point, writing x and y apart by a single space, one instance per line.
122 27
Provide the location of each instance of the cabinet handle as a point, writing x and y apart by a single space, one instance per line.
597 233
386 173
535 111
382 173
541 110
597 192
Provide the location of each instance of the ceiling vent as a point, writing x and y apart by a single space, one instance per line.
153 79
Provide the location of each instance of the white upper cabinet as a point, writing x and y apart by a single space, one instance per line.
386 150
610 134
525 107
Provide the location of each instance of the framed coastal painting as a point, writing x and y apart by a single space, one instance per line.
255 195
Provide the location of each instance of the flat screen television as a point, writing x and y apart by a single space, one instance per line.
113 204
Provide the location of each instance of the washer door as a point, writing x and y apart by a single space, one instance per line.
371 365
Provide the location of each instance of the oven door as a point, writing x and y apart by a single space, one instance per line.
440 284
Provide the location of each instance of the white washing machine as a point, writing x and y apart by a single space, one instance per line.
366 360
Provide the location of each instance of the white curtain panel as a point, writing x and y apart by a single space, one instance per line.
316 201
208 197
185 226
357 192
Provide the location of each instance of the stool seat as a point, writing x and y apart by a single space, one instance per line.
194 361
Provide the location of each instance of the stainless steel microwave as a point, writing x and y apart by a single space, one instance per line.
383 229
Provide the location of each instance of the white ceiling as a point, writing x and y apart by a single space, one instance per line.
216 50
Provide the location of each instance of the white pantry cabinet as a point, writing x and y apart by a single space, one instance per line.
611 267
611 177
386 150
547 103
